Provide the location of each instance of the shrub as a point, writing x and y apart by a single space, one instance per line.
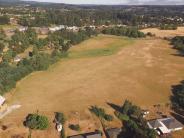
35 121
74 127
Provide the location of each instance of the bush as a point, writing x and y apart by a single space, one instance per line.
74 127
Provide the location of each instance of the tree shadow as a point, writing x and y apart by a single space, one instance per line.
175 89
178 117
115 107
178 54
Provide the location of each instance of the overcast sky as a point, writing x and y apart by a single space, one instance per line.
108 2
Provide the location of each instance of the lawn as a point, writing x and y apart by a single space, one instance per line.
99 46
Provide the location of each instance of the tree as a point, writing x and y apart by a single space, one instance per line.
36 122
2 34
1 47
60 118
31 35
8 56
4 20
135 125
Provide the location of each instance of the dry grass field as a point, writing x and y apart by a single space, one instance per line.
165 33
104 69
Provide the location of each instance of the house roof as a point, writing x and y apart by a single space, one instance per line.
2 100
88 135
172 123
113 132
93 135
155 123
77 136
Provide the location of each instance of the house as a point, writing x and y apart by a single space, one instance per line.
73 29
22 28
113 132
88 135
165 125
13 21
17 59
56 28
92 27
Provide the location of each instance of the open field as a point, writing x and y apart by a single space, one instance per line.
165 33
100 70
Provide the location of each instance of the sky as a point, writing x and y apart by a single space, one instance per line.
116 2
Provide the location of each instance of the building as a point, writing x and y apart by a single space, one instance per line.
165 125
56 28
17 59
22 28
88 135
73 29
13 20
113 132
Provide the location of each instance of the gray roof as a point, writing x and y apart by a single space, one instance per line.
172 123
155 123
113 132
93 135
77 136
88 135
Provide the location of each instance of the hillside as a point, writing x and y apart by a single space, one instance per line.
104 69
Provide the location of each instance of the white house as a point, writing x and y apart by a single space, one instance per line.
73 28
22 28
165 125
17 59
56 28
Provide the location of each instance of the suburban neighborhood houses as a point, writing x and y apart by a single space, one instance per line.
91 71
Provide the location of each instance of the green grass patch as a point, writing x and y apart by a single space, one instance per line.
8 26
110 49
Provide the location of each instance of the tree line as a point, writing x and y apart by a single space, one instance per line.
124 31
168 27
152 16
178 43
59 43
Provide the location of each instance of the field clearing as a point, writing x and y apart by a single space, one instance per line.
165 33
139 70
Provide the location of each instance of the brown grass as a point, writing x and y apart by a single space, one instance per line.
142 73
165 33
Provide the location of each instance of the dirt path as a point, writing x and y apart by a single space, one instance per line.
8 110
